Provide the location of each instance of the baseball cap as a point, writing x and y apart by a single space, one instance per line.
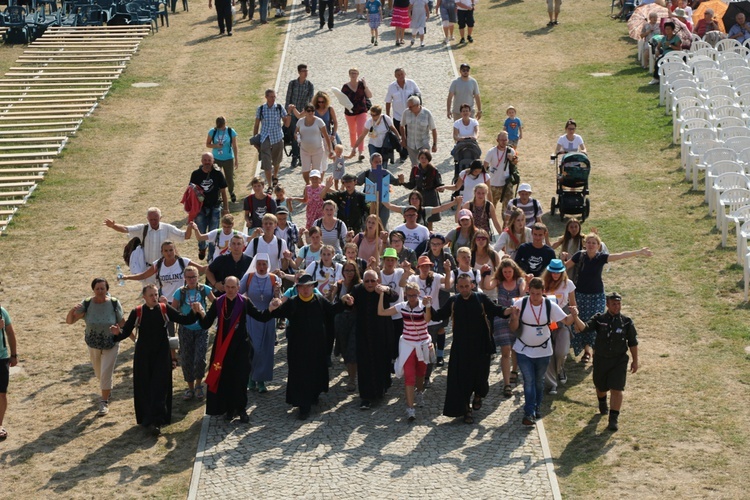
525 187
464 214
315 173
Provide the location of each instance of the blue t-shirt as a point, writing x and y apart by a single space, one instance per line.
513 127
223 137
373 6
192 296
4 352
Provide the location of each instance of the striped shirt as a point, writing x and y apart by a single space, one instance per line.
415 324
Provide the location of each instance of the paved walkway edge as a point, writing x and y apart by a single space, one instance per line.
548 461
198 464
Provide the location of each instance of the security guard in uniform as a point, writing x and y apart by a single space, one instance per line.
615 334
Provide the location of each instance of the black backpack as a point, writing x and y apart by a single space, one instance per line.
134 243
255 247
160 262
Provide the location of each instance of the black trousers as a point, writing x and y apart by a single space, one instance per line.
224 13
247 11
403 153
322 13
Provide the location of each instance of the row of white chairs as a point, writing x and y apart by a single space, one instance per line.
701 47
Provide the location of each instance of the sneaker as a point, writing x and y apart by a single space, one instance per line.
563 377
188 395
427 383
364 405
411 414
201 254
440 361
655 81
528 420
421 44
103 408
452 38
555 23
462 40
372 39
612 425
551 23
412 42
553 391
420 399
262 389
229 33
233 197
376 43
470 39
244 417
445 40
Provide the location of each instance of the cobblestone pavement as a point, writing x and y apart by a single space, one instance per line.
342 451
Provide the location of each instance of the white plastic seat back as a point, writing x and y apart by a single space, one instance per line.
727 44
724 90
728 121
719 184
729 202
727 132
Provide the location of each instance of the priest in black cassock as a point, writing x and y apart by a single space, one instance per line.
472 346
152 361
374 336
307 346
229 367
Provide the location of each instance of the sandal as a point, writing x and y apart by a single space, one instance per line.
513 378
199 394
3 434
586 357
507 391
188 395
476 404
468 417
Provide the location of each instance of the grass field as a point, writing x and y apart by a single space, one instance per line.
684 426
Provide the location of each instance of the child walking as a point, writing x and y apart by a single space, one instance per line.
375 15
312 198
513 126
282 200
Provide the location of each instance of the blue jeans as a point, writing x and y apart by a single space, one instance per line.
208 220
263 7
532 370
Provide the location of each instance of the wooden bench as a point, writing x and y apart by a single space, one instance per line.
22 106
21 178
22 147
46 67
34 140
43 155
26 132
16 171
6 117
72 52
15 185
57 123
35 100
12 194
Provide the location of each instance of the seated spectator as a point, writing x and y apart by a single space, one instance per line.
703 26
648 31
670 42
681 15
741 30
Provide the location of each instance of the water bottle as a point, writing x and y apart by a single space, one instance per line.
120 281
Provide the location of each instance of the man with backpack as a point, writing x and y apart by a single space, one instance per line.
287 231
299 92
212 182
537 316
500 162
265 241
531 207
257 205
151 236
219 237
269 118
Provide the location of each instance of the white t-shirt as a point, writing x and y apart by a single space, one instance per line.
392 281
309 137
272 249
533 335
504 243
224 239
429 291
326 276
379 130
414 236
569 146
155 237
172 277
470 182
465 130
332 237
562 294
497 166
398 96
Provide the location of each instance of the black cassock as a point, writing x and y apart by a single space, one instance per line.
374 342
231 395
471 348
152 363
307 346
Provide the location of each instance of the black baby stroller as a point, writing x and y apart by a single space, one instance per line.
464 153
572 185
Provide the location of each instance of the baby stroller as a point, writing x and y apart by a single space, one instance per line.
572 185
464 153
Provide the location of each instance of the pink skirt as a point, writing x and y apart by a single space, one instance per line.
400 17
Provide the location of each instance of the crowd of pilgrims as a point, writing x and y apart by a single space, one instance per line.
379 301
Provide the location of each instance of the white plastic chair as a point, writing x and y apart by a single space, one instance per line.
742 89
727 122
709 158
738 73
727 132
729 180
744 158
746 264
710 74
686 114
708 52
724 111
728 44
700 63
740 216
726 64
713 172
717 101
694 143
730 201
738 144
680 93
737 53
714 82
724 90
668 74
684 103
699 44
